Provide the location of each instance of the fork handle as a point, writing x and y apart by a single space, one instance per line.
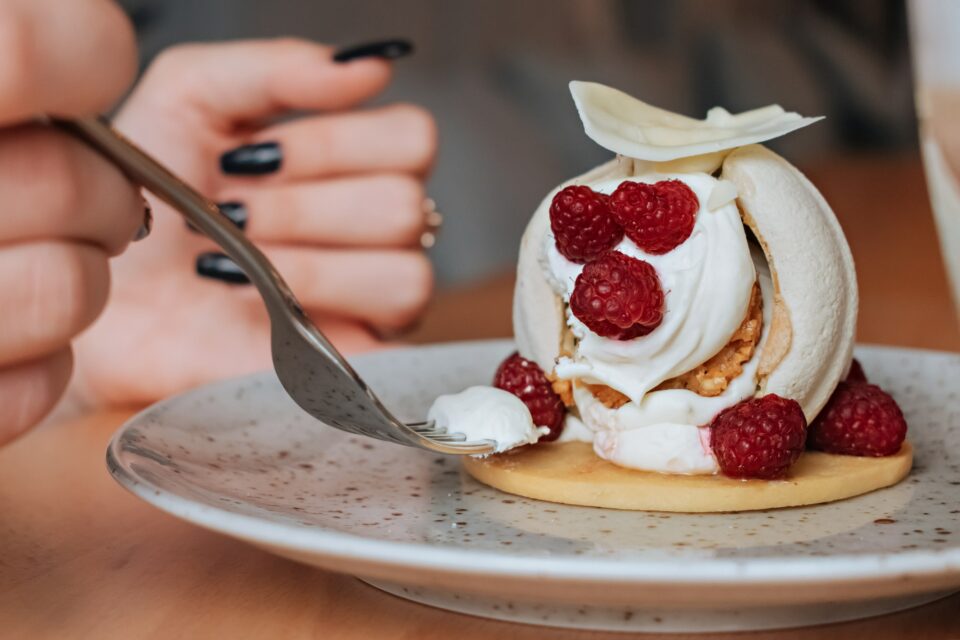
201 212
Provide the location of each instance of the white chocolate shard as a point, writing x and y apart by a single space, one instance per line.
705 163
724 192
633 128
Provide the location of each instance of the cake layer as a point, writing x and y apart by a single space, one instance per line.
570 473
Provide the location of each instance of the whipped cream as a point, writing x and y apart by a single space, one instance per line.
486 413
574 430
707 282
666 448
665 431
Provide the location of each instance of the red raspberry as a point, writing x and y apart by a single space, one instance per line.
856 373
658 217
524 379
860 419
583 224
759 437
618 297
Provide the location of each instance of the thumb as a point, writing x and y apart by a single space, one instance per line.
249 80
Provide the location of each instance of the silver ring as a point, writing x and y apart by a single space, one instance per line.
432 221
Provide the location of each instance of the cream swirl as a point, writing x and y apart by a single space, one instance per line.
707 282
665 432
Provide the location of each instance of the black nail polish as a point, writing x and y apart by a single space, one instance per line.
252 159
219 267
236 212
147 226
385 49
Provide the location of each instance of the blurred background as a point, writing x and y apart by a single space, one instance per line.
495 75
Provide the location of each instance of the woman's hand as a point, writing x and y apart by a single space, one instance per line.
334 200
65 210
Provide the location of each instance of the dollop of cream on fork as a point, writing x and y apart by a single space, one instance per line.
486 413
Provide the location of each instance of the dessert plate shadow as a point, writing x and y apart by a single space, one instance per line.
240 458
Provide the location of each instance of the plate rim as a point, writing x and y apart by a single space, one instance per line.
767 570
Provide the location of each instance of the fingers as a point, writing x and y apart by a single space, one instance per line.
373 211
397 138
254 79
54 186
386 288
51 291
30 390
64 58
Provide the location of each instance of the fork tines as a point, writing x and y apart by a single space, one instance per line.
428 430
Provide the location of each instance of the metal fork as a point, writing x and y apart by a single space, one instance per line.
312 371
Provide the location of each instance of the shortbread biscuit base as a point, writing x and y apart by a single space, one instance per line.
571 473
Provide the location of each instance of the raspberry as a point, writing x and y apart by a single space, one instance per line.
524 379
856 373
583 224
657 217
860 419
759 437
618 297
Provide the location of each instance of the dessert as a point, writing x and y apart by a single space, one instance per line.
692 304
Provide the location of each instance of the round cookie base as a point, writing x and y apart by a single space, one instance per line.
571 473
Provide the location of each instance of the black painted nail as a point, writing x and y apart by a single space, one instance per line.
147 226
236 212
219 267
386 49
252 159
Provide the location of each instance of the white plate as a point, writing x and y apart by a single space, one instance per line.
240 458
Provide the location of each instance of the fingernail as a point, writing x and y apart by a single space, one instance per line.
236 212
385 49
147 225
252 159
217 266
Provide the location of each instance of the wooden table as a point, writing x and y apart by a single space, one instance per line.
80 558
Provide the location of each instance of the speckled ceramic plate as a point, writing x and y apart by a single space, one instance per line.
240 458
